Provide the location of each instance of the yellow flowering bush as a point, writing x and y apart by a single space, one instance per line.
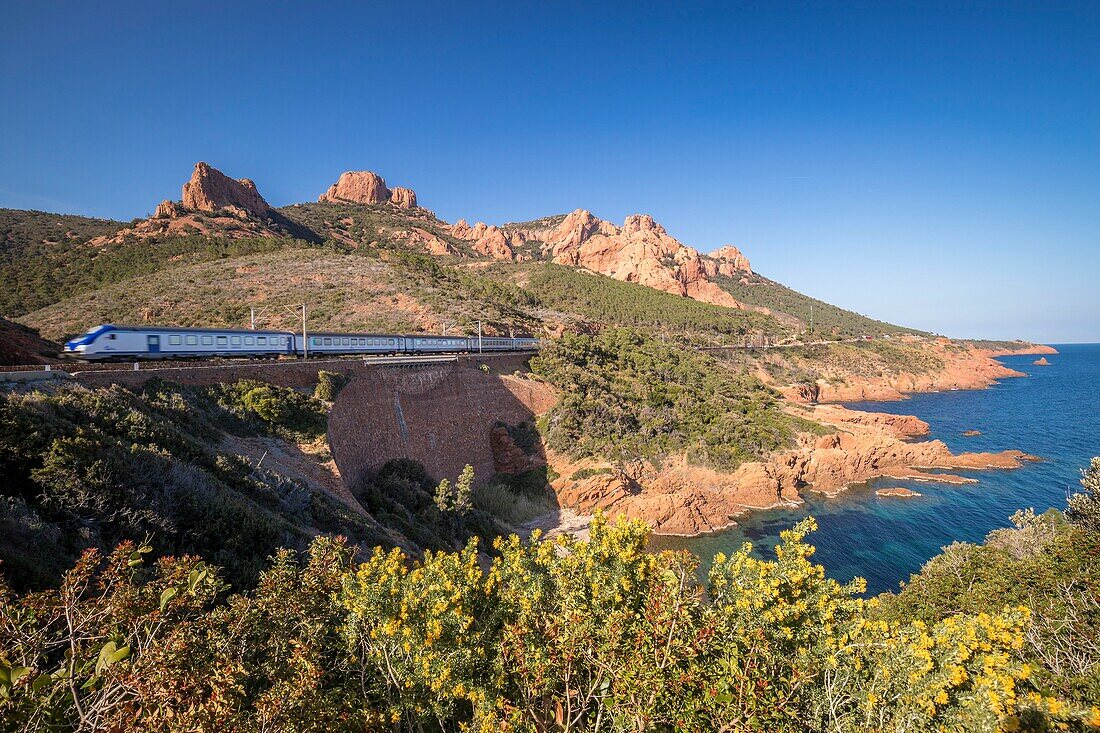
422 633
544 636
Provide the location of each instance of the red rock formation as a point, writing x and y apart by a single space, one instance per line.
211 190
641 251
682 499
168 210
367 187
731 261
485 239
403 197
1041 361
357 187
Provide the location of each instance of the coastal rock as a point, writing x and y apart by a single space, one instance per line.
682 499
1041 361
403 197
971 433
960 368
898 492
211 190
357 187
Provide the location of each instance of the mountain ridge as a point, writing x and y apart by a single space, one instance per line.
360 212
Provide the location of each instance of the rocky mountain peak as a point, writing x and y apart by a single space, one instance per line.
367 187
731 260
642 223
211 190
403 197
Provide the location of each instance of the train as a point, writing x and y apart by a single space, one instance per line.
109 342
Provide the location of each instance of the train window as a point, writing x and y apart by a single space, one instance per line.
175 340
328 341
235 340
223 340
192 340
249 340
207 340
347 342
391 342
316 341
261 340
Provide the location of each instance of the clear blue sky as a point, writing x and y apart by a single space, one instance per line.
933 164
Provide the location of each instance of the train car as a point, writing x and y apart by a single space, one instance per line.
526 343
491 343
110 342
107 342
327 343
428 344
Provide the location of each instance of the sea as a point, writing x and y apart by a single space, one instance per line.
1053 413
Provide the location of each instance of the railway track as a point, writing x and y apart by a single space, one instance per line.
74 368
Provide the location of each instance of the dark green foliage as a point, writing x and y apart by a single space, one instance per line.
282 410
93 467
525 435
329 385
828 320
628 396
584 473
608 301
1044 563
402 496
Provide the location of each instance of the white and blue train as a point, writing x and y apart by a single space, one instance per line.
109 342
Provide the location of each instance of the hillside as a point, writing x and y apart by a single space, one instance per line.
50 258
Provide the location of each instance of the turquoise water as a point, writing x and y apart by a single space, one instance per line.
1053 413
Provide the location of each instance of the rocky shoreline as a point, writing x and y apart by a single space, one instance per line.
680 499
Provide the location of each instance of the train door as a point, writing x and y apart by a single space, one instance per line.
153 343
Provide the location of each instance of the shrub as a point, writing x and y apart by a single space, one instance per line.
559 635
627 396
329 385
281 410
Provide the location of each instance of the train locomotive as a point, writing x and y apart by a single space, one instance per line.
117 343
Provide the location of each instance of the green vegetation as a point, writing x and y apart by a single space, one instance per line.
837 361
42 263
607 301
188 467
584 473
1048 565
829 320
627 396
92 467
552 636
345 291
329 385
517 499
281 410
